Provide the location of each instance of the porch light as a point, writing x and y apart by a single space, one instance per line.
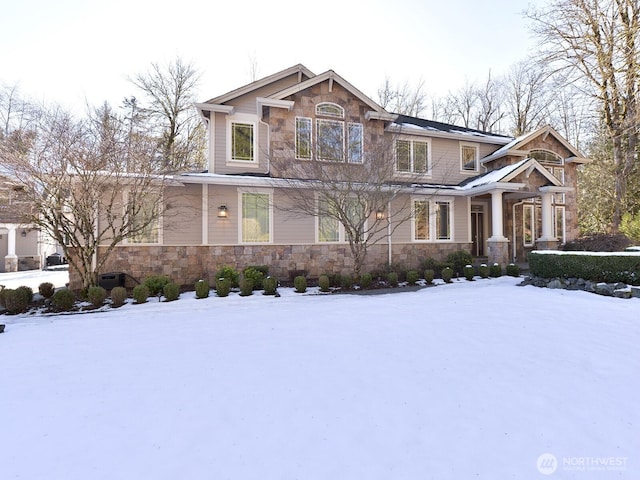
379 215
23 233
222 211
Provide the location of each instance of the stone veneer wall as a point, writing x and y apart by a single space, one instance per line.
187 264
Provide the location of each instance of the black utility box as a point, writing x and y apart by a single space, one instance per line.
108 281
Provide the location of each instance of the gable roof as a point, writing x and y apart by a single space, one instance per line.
507 173
514 147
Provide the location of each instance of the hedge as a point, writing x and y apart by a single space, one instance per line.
596 267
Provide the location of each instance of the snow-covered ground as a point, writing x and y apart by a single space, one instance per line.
33 278
473 380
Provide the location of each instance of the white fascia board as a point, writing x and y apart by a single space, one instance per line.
452 136
497 155
492 187
214 107
577 160
387 117
273 103
555 189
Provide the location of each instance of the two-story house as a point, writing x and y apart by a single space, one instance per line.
495 196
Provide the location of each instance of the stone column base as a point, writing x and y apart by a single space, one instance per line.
498 252
11 263
547 244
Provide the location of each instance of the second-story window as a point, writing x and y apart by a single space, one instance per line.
412 156
469 157
242 141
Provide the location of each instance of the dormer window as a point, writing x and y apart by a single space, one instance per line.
328 109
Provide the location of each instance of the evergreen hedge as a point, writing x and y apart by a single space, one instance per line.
610 268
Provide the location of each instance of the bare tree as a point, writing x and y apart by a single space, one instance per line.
490 111
76 174
169 95
527 97
405 99
596 43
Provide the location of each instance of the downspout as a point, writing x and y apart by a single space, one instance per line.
389 232
513 221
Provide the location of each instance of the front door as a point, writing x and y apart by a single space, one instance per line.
477 230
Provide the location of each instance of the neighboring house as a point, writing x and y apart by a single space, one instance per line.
21 245
492 195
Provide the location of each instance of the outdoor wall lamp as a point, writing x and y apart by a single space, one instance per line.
23 233
380 215
222 211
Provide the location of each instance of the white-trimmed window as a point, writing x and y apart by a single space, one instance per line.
144 217
557 172
330 229
413 156
328 109
546 156
355 142
330 140
469 156
432 220
242 139
528 225
303 138
559 224
256 221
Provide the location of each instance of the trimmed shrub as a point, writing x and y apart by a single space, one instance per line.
27 292
300 284
140 293
223 287
400 270
257 276
324 283
600 242
495 270
155 284
270 285
230 274
96 296
459 260
63 300
392 278
429 276
3 292
483 270
469 272
366 279
596 268
246 286
171 292
15 301
346 281
513 270
447 273
46 289
412 277
202 289
118 296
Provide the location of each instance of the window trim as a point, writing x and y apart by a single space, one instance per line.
342 129
321 113
476 147
310 122
246 120
412 142
559 161
562 239
360 140
432 205
532 209
254 191
342 237
159 227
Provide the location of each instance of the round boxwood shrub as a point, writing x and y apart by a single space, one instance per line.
155 284
392 278
324 282
483 270
429 276
63 299
118 296
459 259
202 289
257 274
27 292
346 281
412 277
246 286
230 274
469 272
223 287
96 295
366 279
141 293
46 289
270 285
15 301
171 292
300 284
513 270
495 270
447 273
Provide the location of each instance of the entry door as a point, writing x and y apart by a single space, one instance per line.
477 230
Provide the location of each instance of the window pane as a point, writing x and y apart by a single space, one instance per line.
145 221
527 225
559 227
355 143
355 212
421 220
443 230
545 156
403 162
330 140
420 152
303 138
468 157
255 217
328 226
330 110
242 141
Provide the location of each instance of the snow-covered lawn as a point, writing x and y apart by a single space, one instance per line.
473 380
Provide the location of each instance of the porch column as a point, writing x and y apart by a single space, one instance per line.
547 241
497 243
11 260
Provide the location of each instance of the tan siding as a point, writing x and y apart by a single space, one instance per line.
461 216
289 228
182 222
223 231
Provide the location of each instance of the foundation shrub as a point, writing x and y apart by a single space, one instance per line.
324 283
171 292
27 292
3 293
230 274
366 279
392 278
412 277
15 301
346 281
483 270
447 273
96 295
429 275
513 270
270 285
432 264
300 284
46 289
246 286
63 300
459 260
140 293
495 270
600 268
202 289
469 272
118 296
223 287
155 284
600 242
257 274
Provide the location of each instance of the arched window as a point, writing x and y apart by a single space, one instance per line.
328 109
546 156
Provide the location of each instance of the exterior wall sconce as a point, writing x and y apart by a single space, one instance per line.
379 215
222 211
23 233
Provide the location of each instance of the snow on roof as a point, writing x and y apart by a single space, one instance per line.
491 177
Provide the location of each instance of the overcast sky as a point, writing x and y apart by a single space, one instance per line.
74 52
